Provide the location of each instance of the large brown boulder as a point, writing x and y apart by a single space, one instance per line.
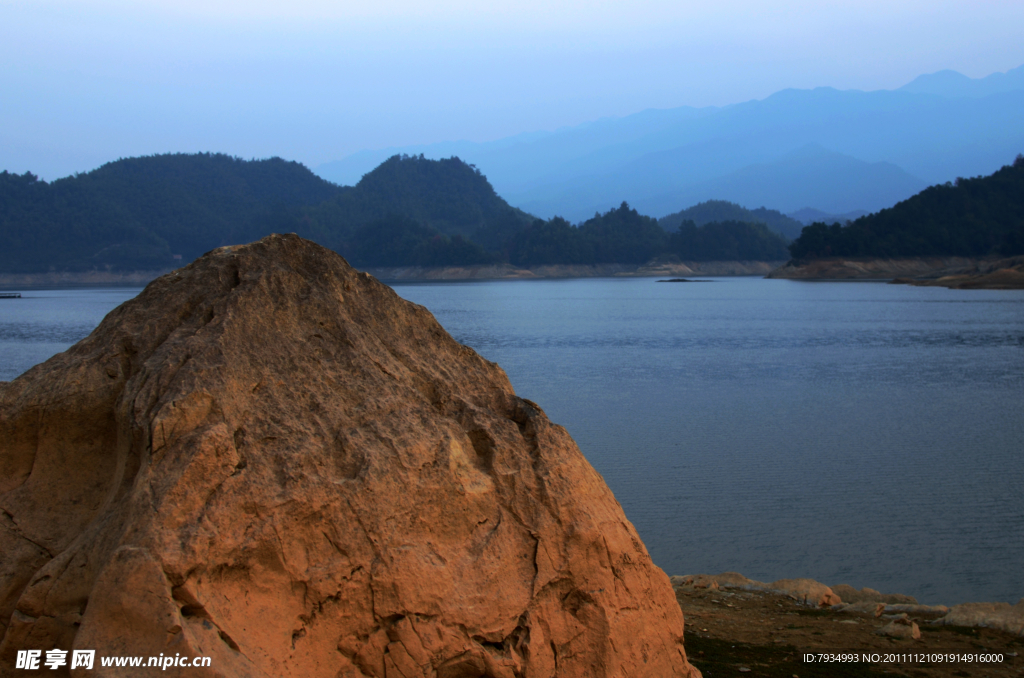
270 459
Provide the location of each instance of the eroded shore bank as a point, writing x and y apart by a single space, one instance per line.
951 272
414 273
736 626
56 279
507 271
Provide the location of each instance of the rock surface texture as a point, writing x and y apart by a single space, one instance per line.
270 459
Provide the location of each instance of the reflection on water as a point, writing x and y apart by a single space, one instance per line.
866 434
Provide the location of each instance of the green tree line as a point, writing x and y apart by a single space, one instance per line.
981 216
720 211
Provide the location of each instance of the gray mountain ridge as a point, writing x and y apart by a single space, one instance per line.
952 84
825 149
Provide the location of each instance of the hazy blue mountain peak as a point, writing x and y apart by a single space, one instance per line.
949 83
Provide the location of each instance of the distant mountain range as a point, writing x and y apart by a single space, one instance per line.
809 175
824 149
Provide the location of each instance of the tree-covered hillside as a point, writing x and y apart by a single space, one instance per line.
971 217
138 212
620 236
624 236
722 210
447 195
162 211
400 241
727 240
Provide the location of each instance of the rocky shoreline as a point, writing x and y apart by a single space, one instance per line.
1002 274
951 272
845 598
870 268
737 626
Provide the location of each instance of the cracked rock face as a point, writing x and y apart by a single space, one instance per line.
270 459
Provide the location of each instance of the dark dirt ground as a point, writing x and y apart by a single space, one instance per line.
747 633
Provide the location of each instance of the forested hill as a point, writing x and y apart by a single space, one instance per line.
138 213
722 210
446 195
971 217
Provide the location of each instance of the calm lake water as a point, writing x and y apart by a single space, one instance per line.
854 433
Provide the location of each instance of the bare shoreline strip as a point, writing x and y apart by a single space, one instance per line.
952 272
55 279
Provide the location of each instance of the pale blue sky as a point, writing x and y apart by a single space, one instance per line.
83 82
